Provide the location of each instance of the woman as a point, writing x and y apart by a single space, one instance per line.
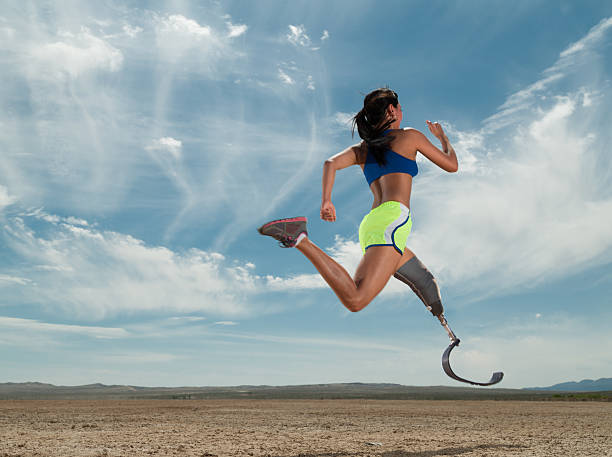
387 156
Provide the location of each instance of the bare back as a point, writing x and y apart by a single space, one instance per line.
393 186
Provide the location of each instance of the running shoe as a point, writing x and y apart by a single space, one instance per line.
286 231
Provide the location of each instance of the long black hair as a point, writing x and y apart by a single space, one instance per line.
372 121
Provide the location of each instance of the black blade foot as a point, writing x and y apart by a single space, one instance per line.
495 378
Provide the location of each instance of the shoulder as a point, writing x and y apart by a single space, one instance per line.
406 141
410 132
352 155
407 133
361 152
411 136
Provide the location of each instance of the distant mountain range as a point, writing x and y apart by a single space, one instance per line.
586 385
37 390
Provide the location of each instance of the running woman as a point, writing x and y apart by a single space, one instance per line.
387 156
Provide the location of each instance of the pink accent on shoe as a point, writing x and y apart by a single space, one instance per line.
291 219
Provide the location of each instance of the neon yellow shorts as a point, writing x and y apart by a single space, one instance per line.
388 224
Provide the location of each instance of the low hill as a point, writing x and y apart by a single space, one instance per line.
586 385
35 390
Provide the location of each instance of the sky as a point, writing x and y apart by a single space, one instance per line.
142 144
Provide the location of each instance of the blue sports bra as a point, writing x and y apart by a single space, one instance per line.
396 163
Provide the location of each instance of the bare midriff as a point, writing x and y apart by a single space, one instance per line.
392 187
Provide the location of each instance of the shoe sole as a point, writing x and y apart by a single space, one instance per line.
291 219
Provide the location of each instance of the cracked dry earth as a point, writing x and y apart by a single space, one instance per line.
305 428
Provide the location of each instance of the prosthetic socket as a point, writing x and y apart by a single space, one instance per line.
422 282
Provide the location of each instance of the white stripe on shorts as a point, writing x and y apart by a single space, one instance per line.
404 215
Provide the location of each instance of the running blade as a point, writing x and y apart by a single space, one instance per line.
495 378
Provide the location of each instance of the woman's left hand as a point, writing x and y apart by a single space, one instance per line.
328 211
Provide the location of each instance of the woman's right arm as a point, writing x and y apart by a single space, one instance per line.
445 158
350 156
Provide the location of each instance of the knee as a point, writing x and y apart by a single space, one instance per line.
355 303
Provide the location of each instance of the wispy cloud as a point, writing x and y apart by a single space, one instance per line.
143 357
199 47
298 37
32 324
595 35
13 279
5 198
537 197
574 59
342 120
313 341
106 273
132 31
284 77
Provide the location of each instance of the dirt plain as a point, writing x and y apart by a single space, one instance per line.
304 428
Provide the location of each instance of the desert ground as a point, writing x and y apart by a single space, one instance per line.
306 428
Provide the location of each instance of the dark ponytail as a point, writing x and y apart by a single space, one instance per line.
372 121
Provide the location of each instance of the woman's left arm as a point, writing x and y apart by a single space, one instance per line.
344 159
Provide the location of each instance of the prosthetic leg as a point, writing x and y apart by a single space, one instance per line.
424 285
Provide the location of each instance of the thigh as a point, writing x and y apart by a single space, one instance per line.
375 269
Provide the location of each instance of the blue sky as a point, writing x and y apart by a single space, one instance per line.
141 144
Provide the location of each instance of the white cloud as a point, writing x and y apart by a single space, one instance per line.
291 74
310 85
297 282
591 38
539 211
41 214
178 35
226 323
92 274
73 55
515 105
76 221
132 31
530 202
167 144
198 47
235 30
179 319
139 358
14 279
35 325
297 36
471 146
325 35
342 120
571 61
284 77
5 198
179 25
